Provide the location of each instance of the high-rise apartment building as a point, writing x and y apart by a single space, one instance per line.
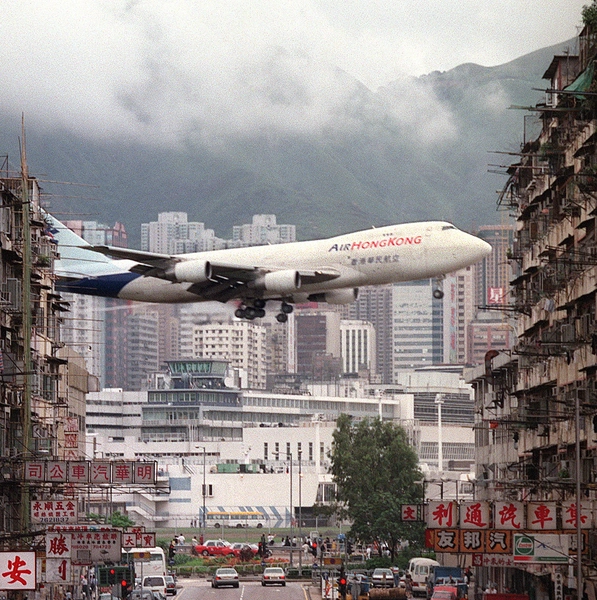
374 304
493 327
417 333
172 233
263 230
318 344
494 272
458 312
240 342
142 348
357 347
95 326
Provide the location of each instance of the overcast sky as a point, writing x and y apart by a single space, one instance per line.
163 67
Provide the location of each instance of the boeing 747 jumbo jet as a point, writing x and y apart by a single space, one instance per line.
328 270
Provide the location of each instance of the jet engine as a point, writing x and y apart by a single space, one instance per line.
280 282
341 296
190 271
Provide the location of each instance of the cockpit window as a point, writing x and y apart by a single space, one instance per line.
448 227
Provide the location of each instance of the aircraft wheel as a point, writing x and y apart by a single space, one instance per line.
438 294
259 303
286 308
260 313
282 318
240 313
250 313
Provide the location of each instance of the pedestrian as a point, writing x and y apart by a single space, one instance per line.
92 585
408 584
181 540
84 586
355 587
306 549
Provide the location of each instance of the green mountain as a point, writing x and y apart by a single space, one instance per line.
418 148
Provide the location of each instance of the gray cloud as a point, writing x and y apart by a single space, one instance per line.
206 71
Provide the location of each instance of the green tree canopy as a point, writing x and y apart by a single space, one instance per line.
376 471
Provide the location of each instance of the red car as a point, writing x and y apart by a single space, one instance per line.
216 548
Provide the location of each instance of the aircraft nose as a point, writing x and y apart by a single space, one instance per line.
483 247
477 247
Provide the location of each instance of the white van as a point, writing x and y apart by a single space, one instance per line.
156 583
419 571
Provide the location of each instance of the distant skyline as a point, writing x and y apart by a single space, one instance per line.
169 72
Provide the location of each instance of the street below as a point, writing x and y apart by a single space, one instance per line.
250 590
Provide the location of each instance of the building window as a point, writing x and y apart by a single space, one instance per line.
310 451
264 450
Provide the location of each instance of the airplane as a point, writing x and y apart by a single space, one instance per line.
325 270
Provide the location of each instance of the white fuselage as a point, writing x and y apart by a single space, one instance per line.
371 257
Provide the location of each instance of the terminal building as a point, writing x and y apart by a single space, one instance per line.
221 448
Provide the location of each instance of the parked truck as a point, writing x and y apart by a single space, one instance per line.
438 574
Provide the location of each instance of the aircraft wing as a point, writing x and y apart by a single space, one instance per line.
225 279
150 259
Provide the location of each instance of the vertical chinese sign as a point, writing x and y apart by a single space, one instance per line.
58 557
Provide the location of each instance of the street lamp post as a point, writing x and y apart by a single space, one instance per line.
291 508
300 512
439 400
203 494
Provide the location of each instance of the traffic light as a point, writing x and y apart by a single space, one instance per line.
342 586
112 576
124 589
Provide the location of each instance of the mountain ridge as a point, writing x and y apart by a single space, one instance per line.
390 164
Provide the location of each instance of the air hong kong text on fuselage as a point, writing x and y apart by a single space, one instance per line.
384 243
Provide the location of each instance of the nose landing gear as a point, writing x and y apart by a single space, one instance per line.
438 292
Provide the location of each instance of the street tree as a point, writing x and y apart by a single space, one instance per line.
376 471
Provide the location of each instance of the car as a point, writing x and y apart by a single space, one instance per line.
240 545
170 586
107 596
216 548
146 594
445 592
273 576
225 576
382 578
244 550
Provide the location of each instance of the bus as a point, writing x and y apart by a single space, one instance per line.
235 518
147 561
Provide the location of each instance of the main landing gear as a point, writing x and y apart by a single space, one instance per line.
438 292
285 310
257 311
